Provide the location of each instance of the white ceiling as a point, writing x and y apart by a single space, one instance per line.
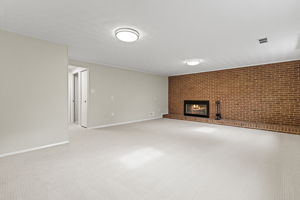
223 33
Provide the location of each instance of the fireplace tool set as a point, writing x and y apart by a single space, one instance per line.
218 114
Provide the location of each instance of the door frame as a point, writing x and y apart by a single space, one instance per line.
71 94
80 96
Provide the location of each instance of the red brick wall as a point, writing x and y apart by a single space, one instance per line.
266 93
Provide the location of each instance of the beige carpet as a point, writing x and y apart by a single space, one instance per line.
158 160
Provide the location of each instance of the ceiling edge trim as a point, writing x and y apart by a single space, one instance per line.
74 59
239 66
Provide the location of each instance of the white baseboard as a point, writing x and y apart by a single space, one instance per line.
122 123
32 149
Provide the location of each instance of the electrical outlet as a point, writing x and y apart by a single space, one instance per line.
151 114
112 114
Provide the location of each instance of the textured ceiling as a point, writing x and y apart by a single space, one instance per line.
223 33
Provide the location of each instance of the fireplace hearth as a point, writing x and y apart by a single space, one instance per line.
196 108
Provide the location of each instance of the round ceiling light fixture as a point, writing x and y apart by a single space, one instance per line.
193 62
127 34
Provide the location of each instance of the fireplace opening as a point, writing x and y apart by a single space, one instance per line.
196 108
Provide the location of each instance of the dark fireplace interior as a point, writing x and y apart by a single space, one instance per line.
196 108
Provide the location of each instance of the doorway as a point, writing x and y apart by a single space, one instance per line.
78 95
76 98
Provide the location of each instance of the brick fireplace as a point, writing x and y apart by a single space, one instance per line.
257 97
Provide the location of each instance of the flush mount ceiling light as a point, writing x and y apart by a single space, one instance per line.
127 34
193 62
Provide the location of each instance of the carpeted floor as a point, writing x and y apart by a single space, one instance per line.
158 160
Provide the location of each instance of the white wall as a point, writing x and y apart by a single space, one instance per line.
33 85
129 95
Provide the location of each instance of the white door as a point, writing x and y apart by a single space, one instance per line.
84 96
